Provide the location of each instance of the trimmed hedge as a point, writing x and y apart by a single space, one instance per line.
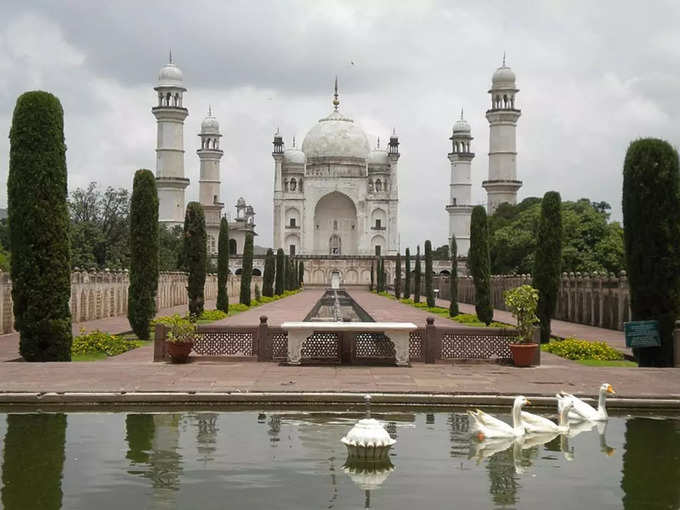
479 264
268 277
39 222
578 349
195 256
144 262
99 341
223 266
651 236
247 271
548 262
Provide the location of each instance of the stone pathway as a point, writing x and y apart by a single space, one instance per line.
292 308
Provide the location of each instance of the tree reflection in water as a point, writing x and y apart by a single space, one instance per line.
33 461
651 464
206 436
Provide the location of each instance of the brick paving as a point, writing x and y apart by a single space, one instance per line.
135 372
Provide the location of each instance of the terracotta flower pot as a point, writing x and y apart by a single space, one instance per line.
179 351
523 354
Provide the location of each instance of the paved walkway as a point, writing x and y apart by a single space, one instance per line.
9 343
292 308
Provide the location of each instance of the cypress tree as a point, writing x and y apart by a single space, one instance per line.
247 270
381 275
280 271
286 273
453 280
397 278
268 278
479 264
416 278
548 258
301 274
223 266
370 285
429 290
407 276
39 222
143 253
195 256
651 236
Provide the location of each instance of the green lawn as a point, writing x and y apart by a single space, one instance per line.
599 363
91 356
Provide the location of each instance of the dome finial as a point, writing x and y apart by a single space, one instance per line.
503 59
461 114
209 110
378 145
170 56
293 141
336 102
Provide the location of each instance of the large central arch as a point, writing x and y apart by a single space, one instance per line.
335 225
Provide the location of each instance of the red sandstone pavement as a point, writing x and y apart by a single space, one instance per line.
292 308
137 373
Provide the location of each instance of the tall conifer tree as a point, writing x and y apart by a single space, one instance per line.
416 278
247 270
453 280
223 266
280 272
407 276
195 255
268 278
429 290
479 264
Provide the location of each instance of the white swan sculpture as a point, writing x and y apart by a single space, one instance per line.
488 426
584 411
535 424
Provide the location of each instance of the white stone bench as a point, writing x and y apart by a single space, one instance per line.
397 332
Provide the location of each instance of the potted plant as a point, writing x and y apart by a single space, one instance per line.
522 301
180 337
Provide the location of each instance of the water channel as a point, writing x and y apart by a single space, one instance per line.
294 459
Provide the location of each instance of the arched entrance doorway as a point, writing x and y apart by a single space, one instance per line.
335 225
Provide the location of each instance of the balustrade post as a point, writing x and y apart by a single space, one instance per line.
264 341
160 349
433 346
537 340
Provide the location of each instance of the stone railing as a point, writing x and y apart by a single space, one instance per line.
101 294
593 299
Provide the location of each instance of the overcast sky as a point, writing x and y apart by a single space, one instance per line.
592 77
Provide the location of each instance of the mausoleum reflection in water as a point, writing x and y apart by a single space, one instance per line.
294 459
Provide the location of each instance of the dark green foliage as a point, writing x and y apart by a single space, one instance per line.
453 280
397 278
429 290
280 272
651 218
416 278
407 276
143 253
371 285
292 274
268 277
223 266
478 263
441 253
100 228
247 270
39 228
195 256
301 273
381 275
547 265
33 461
139 433
171 246
590 241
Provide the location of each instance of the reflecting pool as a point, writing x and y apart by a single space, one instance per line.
294 459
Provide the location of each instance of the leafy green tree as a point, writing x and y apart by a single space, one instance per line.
247 270
547 266
39 228
453 280
441 253
268 277
223 266
429 290
280 272
407 276
397 278
195 256
100 227
144 253
171 246
478 263
651 219
416 278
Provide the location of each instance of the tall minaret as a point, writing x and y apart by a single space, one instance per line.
279 218
393 219
502 185
460 205
209 183
170 115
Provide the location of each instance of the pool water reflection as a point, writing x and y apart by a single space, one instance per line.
294 459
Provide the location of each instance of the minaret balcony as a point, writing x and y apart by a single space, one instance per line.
374 227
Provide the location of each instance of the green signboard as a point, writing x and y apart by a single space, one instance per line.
642 334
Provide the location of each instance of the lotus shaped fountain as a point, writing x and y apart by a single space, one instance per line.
368 440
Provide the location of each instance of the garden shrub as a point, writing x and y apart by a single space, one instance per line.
101 342
213 315
195 256
268 277
247 269
579 349
429 290
479 263
223 266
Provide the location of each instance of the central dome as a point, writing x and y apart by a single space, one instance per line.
336 136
